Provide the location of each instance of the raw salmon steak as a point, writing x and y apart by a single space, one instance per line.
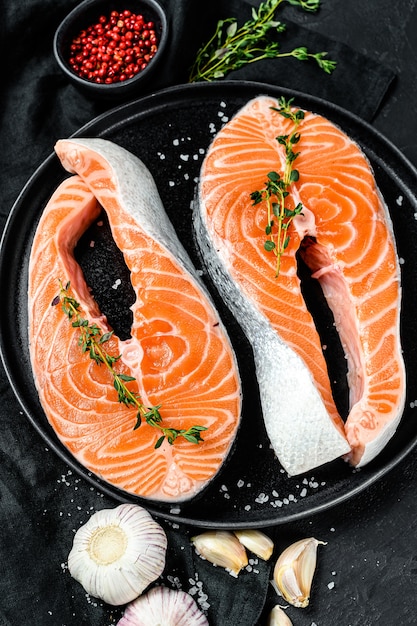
178 353
344 235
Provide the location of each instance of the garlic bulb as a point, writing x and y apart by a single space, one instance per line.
278 617
164 607
118 553
294 571
222 548
257 542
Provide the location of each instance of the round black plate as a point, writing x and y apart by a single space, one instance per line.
170 132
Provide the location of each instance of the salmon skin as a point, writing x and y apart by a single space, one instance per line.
178 352
344 235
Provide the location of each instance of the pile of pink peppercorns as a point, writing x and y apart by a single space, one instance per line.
114 49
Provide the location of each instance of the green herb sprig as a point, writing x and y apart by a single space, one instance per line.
230 47
276 188
91 341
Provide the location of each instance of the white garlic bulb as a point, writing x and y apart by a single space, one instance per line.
165 607
223 548
294 571
118 553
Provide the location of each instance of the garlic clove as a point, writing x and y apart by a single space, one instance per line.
223 548
278 617
118 553
294 571
164 606
257 542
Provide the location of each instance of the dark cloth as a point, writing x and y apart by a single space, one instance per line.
42 502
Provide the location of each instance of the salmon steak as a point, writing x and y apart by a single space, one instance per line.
343 233
178 357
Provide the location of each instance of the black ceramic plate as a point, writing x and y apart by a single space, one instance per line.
170 132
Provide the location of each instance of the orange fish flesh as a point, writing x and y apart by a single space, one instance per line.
179 353
345 237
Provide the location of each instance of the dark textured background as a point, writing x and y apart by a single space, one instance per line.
367 573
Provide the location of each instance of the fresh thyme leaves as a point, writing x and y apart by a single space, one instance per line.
92 340
231 47
276 190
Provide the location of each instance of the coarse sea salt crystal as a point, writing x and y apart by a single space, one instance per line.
175 581
262 498
399 200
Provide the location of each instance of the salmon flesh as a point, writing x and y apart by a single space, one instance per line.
178 353
344 235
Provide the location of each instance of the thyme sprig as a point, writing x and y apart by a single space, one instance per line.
276 189
91 341
231 48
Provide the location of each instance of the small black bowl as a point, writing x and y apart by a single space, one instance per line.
87 13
